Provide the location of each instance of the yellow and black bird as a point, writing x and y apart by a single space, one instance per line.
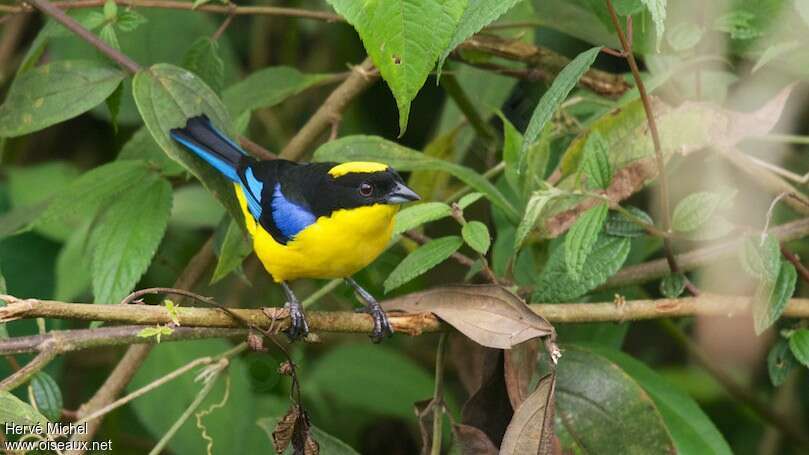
307 220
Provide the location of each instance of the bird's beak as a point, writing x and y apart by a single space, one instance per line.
401 194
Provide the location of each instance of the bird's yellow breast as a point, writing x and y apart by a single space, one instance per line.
334 246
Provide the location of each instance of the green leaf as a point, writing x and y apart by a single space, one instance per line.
268 87
95 187
554 284
739 24
771 298
12 409
155 332
431 184
373 148
684 36
696 210
366 386
595 163
618 224
114 105
141 146
328 444
761 257
672 285
126 238
476 235
416 215
780 362
33 185
47 396
657 9
512 148
476 15
195 208
129 20
21 219
799 345
605 409
582 236
404 39
166 97
161 407
691 429
203 60
54 93
109 36
233 249
422 259
469 199
558 91
533 209
73 266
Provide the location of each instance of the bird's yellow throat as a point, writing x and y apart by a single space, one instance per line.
334 246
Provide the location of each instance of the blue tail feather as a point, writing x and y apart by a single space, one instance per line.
210 144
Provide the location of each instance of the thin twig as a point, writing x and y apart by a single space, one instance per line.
437 403
71 24
22 375
225 24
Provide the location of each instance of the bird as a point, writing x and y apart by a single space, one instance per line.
307 220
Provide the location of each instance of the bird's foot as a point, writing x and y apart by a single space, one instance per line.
382 327
298 327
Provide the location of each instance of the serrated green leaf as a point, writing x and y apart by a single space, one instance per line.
476 235
171 309
469 199
512 147
476 15
374 148
203 59
595 164
761 258
799 345
422 259
404 39
582 236
166 97
92 189
771 298
129 20
553 97
73 266
110 10
109 36
142 146
47 396
533 209
740 24
416 215
127 236
554 284
780 362
54 93
233 249
155 332
267 87
672 285
12 409
657 9
620 225
695 210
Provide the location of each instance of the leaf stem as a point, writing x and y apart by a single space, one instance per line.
438 396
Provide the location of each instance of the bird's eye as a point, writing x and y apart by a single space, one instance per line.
366 189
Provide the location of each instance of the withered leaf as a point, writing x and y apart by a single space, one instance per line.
472 441
531 428
520 367
282 434
296 428
490 315
488 409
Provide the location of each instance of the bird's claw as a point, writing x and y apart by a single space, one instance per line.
298 327
382 327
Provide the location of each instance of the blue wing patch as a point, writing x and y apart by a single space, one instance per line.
227 169
252 190
290 218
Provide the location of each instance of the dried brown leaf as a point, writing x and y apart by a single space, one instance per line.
531 428
472 441
489 409
282 434
472 361
490 315
520 367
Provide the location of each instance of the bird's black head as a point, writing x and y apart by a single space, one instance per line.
358 184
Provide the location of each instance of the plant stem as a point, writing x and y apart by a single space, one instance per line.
438 396
22 375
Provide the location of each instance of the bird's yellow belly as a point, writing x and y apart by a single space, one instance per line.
333 247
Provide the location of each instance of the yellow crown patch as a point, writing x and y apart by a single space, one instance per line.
357 166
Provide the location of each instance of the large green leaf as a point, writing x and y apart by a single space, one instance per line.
166 97
203 60
404 39
416 215
12 409
161 407
366 386
54 93
267 87
476 15
555 284
31 185
799 345
127 236
771 297
581 238
73 265
47 396
601 409
422 259
373 148
693 432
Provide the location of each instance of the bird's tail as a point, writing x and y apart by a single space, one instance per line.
210 144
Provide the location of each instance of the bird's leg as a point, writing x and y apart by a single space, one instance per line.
382 327
298 328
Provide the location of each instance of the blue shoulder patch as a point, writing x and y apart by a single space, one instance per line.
252 191
290 218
